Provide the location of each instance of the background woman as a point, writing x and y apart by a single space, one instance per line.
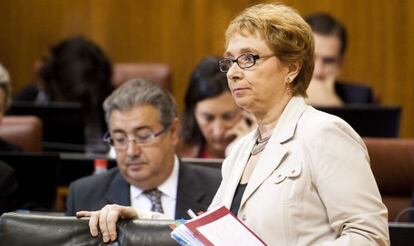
211 119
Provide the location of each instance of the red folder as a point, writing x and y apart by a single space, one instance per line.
211 217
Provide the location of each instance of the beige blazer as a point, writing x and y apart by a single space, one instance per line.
312 184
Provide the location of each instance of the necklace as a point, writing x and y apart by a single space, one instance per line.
260 145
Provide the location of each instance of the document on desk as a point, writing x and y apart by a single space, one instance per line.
215 228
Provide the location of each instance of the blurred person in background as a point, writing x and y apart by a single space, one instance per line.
76 70
211 119
330 46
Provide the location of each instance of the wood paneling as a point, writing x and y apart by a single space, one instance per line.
181 32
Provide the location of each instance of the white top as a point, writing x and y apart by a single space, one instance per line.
141 203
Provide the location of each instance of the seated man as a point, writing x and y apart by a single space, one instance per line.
144 131
330 45
8 188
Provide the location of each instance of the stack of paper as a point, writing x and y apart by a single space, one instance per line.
215 228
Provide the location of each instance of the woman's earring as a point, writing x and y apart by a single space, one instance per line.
288 79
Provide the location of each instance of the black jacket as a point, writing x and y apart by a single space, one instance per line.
8 187
353 93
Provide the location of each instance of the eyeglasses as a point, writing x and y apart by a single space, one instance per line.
144 136
243 61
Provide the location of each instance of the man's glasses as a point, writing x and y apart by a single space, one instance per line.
243 61
142 137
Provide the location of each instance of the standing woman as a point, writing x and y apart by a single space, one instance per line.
211 119
303 176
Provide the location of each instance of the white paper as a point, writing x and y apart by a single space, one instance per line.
228 231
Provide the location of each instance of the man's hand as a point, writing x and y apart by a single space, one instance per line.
106 218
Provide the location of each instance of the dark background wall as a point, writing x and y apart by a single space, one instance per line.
180 32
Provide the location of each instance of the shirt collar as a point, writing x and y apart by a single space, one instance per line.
168 187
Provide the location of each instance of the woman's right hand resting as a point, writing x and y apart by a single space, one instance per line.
106 218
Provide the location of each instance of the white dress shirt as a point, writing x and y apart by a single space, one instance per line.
141 203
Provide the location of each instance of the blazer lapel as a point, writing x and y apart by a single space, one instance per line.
275 150
269 161
118 191
240 162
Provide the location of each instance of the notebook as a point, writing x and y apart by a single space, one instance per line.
215 227
369 120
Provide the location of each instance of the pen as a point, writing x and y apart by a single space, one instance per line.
191 213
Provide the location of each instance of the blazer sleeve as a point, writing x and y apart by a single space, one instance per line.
346 185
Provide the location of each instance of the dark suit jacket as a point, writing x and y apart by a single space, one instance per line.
8 187
353 93
196 188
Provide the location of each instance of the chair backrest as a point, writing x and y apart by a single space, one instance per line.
213 163
28 229
392 162
23 131
159 73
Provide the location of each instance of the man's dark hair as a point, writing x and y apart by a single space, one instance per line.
325 24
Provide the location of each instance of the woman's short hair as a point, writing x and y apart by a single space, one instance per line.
285 32
137 92
5 85
206 81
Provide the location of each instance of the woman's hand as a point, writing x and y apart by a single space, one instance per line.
106 218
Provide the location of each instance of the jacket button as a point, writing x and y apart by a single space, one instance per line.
244 217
